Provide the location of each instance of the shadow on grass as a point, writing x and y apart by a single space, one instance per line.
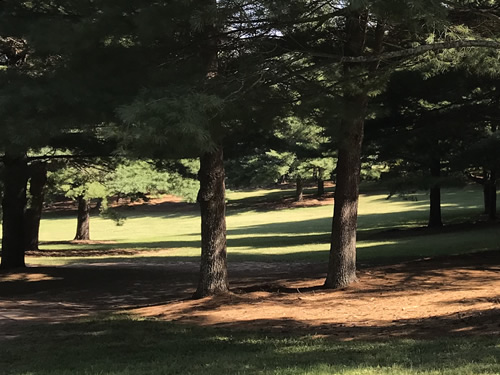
124 346
375 246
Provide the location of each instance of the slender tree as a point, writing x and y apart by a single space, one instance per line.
33 214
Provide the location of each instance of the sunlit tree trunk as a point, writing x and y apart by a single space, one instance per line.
83 221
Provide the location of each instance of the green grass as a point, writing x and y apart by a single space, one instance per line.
123 346
297 234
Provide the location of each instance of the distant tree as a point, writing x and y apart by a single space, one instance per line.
481 162
300 158
82 183
443 113
102 180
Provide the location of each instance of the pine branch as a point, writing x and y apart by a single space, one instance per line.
409 52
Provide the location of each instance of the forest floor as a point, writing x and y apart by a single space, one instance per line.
442 296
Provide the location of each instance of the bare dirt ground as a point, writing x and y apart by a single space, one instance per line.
432 297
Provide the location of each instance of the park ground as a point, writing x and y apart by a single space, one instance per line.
427 302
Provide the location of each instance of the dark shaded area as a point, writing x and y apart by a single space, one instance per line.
62 293
33 213
111 345
15 179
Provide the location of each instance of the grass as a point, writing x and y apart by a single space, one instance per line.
296 234
124 346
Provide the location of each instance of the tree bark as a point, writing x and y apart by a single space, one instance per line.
486 191
435 196
299 191
321 187
15 180
211 197
490 191
33 215
83 222
342 261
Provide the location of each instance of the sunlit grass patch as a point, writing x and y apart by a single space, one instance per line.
293 234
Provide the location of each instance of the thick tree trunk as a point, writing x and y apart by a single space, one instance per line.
83 222
33 215
299 191
15 180
211 197
435 196
342 263
321 187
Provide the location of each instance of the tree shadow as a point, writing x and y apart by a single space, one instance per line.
124 346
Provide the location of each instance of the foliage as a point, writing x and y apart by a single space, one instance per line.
140 179
130 179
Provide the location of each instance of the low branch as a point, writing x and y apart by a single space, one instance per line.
55 157
481 43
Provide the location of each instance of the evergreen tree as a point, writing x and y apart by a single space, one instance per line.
369 39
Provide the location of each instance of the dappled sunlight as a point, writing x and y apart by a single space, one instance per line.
385 231
420 298
26 277
110 346
372 245
22 311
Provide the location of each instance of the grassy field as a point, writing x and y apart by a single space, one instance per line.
293 234
124 346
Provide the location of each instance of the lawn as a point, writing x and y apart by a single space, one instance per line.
126 346
293 234
416 318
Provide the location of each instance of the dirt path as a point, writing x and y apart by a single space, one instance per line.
445 296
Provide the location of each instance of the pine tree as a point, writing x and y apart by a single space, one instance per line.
365 40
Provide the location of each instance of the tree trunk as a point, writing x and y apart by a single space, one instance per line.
321 187
486 190
342 261
491 191
211 197
15 180
299 191
435 196
83 222
33 215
